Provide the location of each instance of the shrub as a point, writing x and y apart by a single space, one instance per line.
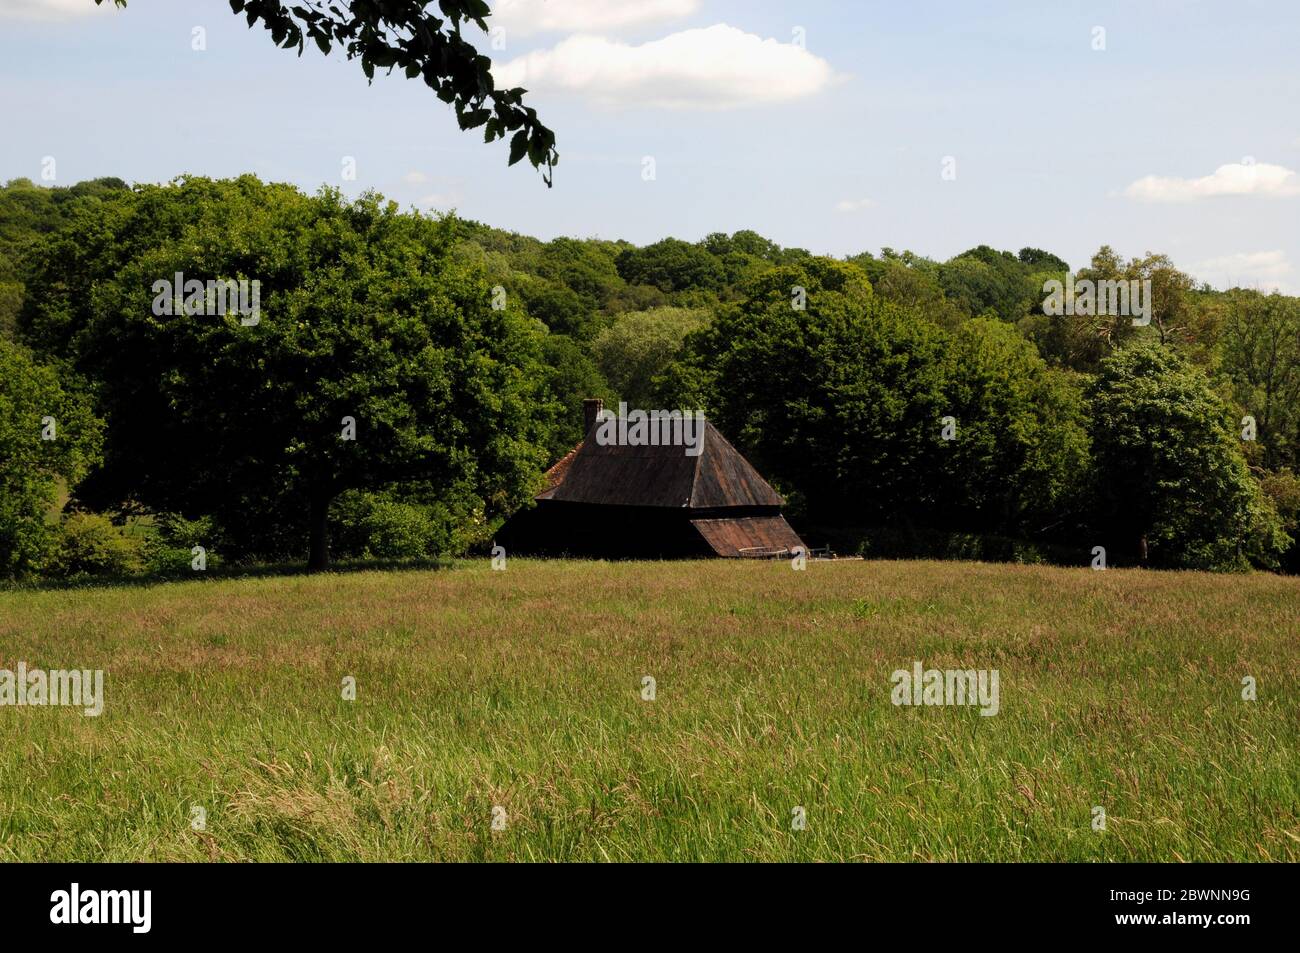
88 544
47 435
169 548
372 527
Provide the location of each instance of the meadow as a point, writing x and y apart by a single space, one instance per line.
519 695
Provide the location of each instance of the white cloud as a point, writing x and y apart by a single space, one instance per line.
415 178
1239 178
439 200
854 205
1268 270
720 67
522 17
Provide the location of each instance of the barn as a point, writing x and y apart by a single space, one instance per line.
624 501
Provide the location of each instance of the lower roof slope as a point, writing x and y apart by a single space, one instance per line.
748 535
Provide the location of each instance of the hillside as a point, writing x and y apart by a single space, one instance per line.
411 391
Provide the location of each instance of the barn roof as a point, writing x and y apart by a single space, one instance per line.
748 535
623 475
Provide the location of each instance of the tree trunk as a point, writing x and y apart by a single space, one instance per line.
319 557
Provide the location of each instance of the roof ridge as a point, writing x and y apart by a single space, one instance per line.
744 460
695 472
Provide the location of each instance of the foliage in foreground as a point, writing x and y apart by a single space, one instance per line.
423 42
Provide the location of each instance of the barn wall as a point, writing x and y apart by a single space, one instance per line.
603 532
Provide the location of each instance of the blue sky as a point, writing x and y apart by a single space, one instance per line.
1182 135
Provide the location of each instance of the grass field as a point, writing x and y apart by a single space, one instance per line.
523 689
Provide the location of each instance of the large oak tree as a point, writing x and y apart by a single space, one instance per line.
369 327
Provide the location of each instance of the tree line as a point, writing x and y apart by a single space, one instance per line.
409 378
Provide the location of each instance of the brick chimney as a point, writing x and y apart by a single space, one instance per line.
591 408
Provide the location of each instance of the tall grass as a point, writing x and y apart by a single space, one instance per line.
523 689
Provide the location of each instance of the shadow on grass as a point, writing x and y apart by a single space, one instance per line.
267 570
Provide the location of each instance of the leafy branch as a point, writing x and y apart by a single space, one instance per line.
407 35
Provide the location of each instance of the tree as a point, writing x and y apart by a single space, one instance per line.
1019 447
983 280
376 358
95 242
28 212
840 399
1172 486
912 283
1261 355
585 267
403 34
1040 260
1170 314
1080 341
744 242
47 435
671 265
556 305
743 255
570 378
639 346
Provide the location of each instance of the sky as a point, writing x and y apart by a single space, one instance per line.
839 126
